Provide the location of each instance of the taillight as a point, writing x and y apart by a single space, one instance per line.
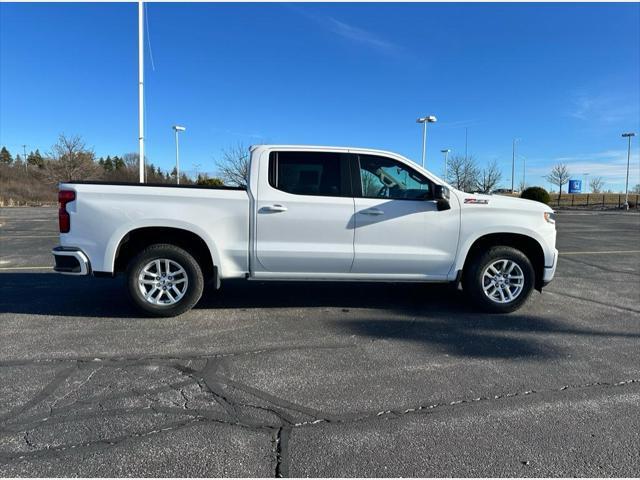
64 220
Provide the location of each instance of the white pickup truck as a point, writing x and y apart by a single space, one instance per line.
307 214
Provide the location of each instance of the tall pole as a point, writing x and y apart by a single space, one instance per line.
24 152
141 88
513 164
424 142
446 161
626 186
524 172
177 160
466 138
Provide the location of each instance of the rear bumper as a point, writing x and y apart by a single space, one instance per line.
71 261
549 272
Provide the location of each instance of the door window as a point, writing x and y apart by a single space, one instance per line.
310 173
383 177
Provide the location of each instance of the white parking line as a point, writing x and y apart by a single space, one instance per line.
606 252
7 269
8 237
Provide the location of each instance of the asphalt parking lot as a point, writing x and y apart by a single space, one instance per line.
322 379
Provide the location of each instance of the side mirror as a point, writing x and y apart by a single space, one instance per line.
440 192
441 195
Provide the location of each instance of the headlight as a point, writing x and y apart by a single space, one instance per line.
550 217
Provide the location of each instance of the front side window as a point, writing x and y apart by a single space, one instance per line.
310 173
383 177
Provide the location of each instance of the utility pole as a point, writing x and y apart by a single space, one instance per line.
141 88
628 135
24 152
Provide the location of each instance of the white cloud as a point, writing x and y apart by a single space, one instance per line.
359 35
349 31
603 108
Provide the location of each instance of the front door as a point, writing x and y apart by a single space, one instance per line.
398 227
305 214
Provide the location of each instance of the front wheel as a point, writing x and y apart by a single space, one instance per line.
164 280
499 280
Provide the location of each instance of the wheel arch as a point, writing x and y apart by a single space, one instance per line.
134 240
528 245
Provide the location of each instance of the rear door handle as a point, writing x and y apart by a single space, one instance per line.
274 208
372 211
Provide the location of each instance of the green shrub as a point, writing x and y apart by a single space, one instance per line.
538 194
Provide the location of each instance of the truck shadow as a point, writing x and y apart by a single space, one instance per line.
433 315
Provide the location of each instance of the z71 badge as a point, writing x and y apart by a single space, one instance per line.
477 201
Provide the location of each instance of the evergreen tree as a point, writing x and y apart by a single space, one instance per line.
108 164
118 163
34 159
5 156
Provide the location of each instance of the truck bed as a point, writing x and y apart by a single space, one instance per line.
104 212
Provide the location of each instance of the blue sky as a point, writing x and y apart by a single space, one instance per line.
564 78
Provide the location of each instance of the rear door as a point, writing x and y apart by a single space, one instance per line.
305 214
398 227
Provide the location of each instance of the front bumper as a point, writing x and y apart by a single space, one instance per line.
549 272
71 261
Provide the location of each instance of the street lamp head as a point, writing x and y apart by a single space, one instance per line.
629 134
446 150
427 119
178 128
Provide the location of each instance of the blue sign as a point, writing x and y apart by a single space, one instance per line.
575 186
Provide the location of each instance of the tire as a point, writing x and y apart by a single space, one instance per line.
485 281
168 295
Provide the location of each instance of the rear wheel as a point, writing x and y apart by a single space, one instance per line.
164 280
499 280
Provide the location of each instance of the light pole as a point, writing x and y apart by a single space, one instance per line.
424 121
24 152
626 187
446 158
513 163
141 89
178 128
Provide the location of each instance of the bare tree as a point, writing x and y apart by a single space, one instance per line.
596 184
636 189
233 167
488 178
462 173
70 159
559 176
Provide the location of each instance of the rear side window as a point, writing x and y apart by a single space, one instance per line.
310 173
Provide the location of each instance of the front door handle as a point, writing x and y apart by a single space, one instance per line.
274 208
372 211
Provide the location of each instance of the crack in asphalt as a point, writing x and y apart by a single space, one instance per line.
597 302
221 390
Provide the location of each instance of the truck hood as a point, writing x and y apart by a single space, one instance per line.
473 200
